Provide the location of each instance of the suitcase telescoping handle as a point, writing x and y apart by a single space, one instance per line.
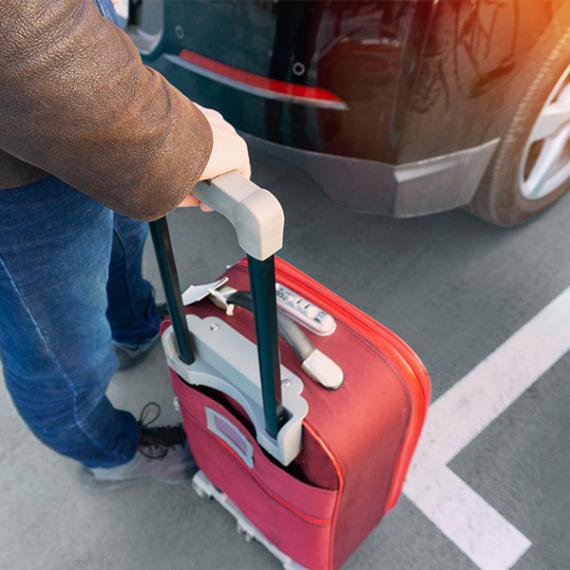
258 220
169 277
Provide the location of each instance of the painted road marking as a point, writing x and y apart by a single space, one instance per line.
460 415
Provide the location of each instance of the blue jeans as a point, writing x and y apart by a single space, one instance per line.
70 284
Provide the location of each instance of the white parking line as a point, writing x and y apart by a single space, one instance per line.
460 415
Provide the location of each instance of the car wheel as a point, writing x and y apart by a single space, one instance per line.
531 168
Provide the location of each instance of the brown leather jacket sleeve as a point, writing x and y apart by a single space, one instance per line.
77 102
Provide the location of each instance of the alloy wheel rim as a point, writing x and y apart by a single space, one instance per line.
545 164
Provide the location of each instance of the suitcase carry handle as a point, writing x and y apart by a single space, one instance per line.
258 220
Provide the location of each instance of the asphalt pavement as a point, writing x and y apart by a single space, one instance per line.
452 286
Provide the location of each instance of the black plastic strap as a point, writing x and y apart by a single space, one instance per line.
169 276
288 329
262 279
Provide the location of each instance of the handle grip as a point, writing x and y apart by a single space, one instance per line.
255 213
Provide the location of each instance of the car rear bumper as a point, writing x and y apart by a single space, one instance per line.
413 189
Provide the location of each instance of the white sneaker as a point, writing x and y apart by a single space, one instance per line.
163 455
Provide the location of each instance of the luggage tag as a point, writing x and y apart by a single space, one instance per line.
196 293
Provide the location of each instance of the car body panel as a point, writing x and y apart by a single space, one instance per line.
419 80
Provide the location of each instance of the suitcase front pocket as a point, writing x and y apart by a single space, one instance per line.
295 516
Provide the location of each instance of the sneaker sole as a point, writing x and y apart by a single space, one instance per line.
87 480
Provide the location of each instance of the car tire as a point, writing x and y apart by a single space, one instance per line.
503 197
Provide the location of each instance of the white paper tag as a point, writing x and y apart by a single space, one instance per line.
196 293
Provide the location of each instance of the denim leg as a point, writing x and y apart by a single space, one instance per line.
132 311
55 340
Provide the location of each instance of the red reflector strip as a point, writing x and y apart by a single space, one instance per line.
259 85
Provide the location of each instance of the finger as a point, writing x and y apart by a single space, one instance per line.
205 208
245 170
189 202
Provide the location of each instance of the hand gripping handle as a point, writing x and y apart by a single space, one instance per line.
255 214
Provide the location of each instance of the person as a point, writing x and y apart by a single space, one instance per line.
93 144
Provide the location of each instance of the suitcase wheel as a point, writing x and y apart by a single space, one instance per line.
202 486
242 531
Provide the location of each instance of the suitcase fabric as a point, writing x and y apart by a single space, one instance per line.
357 441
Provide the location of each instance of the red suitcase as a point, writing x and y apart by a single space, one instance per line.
307 470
